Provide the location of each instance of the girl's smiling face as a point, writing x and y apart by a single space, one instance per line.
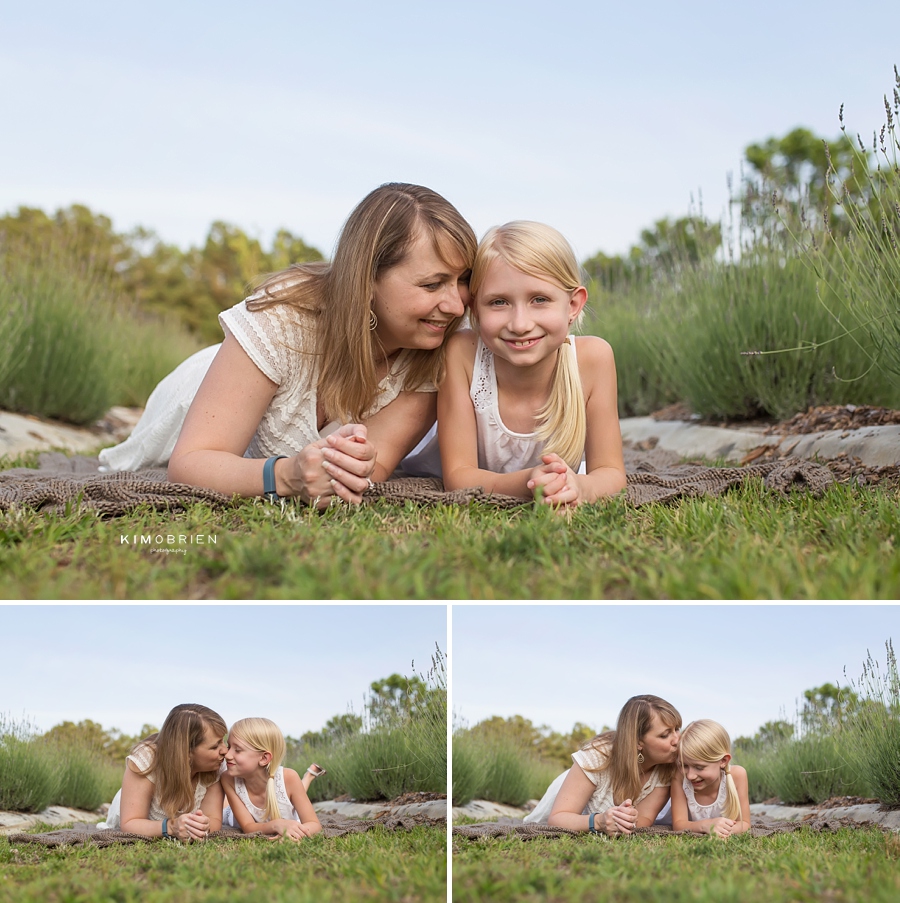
524 319
241 760
703 775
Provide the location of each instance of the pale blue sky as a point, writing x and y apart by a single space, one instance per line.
126 665
740 665
596 117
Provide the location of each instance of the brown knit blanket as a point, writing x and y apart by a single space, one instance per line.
760 826
61 483
332 826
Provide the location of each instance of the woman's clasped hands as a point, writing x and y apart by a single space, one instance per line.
189 826
339 465
620 819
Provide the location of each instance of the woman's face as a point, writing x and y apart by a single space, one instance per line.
660 744
208 754
417 300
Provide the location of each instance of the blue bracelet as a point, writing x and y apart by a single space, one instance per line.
269 478
165 833
591 827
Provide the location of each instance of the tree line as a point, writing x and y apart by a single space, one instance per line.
799 171
192 285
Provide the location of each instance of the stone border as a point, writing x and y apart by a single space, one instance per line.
862 813
875 446
14 822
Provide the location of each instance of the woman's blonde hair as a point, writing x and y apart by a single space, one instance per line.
182 732
337 296
264 736
707 741
541 251
620 746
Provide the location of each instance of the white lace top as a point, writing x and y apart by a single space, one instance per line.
285 807
601 799
280 341
500 450
142 757
716 809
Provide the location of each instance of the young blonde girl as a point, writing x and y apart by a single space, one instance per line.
263 796
524 403
712 797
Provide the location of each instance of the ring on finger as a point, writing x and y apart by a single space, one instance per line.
369 483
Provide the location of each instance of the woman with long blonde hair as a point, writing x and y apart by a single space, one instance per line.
171 784
327 374
620 780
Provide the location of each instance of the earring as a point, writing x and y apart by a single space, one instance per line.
640 758
373 320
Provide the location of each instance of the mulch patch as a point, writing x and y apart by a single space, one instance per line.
847 469
837 802
416 796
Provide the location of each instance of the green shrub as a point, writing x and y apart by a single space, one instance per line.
398 752
759 772
469 768
328 756
484 768
861 263
70 346
728 356
814 769
85 779
635 328
28 776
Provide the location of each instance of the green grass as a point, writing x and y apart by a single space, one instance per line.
850 865
377 866
748 544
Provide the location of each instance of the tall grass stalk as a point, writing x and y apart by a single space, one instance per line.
862 266
875 740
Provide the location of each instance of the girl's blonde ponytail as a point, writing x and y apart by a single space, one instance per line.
732 800
562 421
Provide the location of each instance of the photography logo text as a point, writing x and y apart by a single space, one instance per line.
167 543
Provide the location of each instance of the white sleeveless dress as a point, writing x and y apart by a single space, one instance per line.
500 449
285 807
716 809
